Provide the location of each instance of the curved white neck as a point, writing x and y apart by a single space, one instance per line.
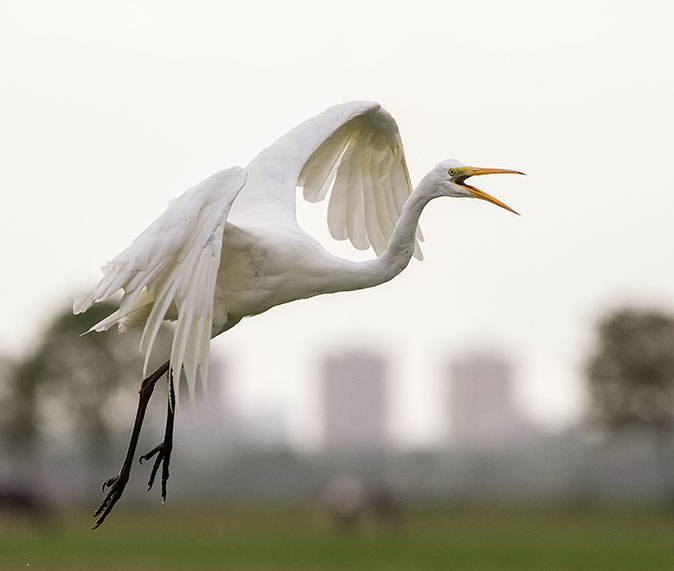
400 249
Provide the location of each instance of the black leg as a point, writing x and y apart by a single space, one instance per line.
163 451
118 482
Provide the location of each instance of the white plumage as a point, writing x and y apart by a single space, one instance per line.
231 247
364 162
170 271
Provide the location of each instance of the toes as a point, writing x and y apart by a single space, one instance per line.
155 467
150 454
116 485
109 483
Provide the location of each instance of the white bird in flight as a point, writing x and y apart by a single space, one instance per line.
231 247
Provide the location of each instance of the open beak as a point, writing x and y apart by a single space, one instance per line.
477 193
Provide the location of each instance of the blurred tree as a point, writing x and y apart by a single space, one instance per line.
631 379
18 421
10 401
75 385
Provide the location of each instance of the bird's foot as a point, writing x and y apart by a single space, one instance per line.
163 453
116 485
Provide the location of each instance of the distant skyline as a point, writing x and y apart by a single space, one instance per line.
354 401
481 411
111 110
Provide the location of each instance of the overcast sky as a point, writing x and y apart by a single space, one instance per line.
110 109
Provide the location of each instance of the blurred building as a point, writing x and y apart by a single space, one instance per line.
482 410
213 426
354 402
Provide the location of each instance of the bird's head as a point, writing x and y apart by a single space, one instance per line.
449 179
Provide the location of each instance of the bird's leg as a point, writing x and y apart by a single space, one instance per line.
118 483
163 451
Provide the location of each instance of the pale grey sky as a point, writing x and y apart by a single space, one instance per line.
110 109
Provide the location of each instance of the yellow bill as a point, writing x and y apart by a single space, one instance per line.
481 194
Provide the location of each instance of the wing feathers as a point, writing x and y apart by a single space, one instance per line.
379 193
364 164
170 270
337 203
317 178
374 228
355 214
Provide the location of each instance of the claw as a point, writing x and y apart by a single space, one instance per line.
150 454
109 483
163 453
116 485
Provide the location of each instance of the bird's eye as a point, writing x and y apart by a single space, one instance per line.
452 172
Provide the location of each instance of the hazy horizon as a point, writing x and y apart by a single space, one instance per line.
111 111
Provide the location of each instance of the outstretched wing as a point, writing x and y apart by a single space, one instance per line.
170 270
354 153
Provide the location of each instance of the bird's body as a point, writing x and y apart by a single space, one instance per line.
261 269
231 246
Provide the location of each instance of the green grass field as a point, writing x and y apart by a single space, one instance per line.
256 539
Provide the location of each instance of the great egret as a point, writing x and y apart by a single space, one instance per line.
230 247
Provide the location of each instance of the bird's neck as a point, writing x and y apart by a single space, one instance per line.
400 248
403 241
